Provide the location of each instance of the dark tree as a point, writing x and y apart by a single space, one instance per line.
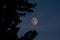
9 19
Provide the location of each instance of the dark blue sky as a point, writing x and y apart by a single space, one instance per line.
48 15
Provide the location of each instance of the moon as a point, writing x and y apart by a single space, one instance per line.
34 21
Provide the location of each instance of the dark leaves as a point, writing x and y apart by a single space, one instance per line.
9 19
29 35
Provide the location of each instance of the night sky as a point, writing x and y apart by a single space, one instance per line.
48 14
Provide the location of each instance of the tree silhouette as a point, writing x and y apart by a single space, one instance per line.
10 19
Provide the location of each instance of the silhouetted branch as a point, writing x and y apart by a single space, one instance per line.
9 19
29 35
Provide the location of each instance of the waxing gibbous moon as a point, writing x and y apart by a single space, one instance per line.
34 21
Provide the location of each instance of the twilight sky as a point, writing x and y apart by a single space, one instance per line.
48 15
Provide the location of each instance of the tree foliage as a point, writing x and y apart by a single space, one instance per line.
9 19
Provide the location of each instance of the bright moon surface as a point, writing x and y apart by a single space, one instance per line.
34 21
